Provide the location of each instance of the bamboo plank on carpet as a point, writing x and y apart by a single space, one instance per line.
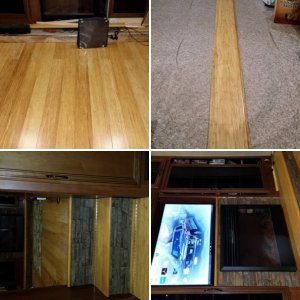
228 127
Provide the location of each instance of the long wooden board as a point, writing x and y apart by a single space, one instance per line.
228 126
139 265
289 204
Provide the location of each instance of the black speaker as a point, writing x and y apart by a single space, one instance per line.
92 32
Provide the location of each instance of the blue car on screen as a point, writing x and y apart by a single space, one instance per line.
186 241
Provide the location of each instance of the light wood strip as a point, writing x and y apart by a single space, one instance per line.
70 215
139 262
137 134
66 25
36 106
14 104
297 158
228 127
102 260
290 205
55 243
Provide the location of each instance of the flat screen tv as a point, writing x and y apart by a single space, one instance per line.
183 253
255 238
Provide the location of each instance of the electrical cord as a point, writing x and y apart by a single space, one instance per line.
142 42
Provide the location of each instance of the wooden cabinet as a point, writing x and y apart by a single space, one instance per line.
227 176
20 11
295 293
222 293
157 171
97 173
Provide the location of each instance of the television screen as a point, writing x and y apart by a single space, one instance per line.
183 251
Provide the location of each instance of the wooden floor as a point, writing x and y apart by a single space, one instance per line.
228 126
53 95
62 293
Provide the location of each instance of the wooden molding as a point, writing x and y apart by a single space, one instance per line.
289 204
139 261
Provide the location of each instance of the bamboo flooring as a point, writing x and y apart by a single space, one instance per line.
228 125
53 95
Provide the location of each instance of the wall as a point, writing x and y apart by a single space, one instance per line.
83 212
102 245
37 240
121 220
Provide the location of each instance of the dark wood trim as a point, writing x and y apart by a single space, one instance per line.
180 290
33 10
64 188
162 168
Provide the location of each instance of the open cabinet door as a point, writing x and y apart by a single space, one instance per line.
52 266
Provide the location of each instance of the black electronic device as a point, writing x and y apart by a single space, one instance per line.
92 32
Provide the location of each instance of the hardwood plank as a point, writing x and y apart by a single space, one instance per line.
228 126
100 121
289 204
137 135
14 104
57 96
34 115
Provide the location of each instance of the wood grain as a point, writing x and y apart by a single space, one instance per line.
53 95
55 242
228 126
139 265
297 158
289 204
102 245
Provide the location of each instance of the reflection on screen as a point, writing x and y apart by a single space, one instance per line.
183 254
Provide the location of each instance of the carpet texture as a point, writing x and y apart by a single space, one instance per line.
270 56
182 57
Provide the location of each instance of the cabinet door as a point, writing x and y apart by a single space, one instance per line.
72 166
102 173
20 11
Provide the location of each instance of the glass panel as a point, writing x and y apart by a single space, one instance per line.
63 9
12 6
215 177
129 6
